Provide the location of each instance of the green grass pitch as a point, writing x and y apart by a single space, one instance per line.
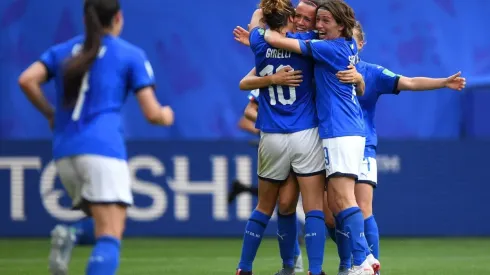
220 256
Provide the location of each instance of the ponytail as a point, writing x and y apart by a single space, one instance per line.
80 63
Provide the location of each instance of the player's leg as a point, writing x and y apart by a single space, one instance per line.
364 196
84 231
106 194
329 218
62 238
343 156
273 169
287 230
309 167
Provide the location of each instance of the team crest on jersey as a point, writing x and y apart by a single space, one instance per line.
261 31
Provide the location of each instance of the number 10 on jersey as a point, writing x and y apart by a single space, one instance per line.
269 70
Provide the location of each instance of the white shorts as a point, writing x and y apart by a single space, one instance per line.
95 179
279 153
343 156
369 172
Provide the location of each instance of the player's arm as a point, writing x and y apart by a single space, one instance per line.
30 82
455 82
352 76
388 82
141 80
285 77
247 125
251 110
277 40
151 108
256 21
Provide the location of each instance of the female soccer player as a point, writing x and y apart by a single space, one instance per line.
341 121
288 207
94 74
289 139
288 213
380 81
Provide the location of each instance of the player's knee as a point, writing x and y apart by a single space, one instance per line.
286 206
340 195
285 209
366 207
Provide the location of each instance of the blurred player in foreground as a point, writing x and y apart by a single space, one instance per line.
94 73
379 81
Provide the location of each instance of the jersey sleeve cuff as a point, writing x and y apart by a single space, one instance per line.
139 88
50 74
395 87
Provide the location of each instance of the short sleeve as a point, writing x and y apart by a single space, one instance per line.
320 50
386 81
48 59
257 38
140 72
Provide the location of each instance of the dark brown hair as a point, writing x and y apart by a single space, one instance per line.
98 15
342 13
276 12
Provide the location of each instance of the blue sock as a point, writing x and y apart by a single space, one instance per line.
343 245
315 240
331 233
287 235
251 239
352 222
84 231
297 248
372 236
105 257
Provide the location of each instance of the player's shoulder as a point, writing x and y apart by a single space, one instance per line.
381 70
257 36
69 46
127 47
370 66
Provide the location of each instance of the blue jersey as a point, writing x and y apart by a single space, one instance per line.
283 109
338 109
94 125
378 81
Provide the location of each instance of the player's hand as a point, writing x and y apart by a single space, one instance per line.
455 82
287 76
350 75
167 115
242 35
